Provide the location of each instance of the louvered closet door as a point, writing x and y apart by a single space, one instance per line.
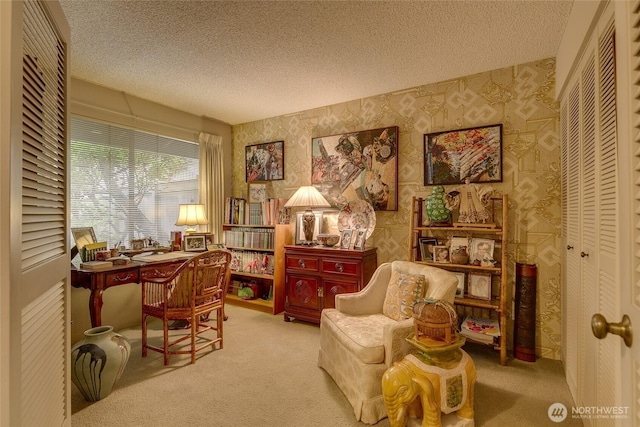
592 256
628 74
39 313
570 120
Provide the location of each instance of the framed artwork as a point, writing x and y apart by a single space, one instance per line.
317 227
451 157
357 165
195 243
426 248
481 250
83 236
479 286
256 192
441 254
461 279
361 237
345 238
264 162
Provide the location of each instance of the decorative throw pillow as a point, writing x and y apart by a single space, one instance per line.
402 292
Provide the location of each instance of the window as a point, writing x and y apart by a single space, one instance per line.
127 184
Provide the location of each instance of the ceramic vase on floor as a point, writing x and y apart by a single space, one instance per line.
97 361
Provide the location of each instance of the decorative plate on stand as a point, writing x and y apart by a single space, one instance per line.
357 215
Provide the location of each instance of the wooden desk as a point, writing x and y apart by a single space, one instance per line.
97 281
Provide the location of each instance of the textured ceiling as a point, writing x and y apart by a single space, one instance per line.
240 61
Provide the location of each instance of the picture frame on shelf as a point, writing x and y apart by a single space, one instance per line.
264 162
481 250
462 277
426 248
256 192
441 254
345 238
451 157
195 243
361 237
317 226
479 286
458 243
362 163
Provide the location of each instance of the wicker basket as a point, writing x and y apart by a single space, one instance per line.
435 322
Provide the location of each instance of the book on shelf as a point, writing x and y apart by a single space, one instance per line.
480 329
96 265
238 211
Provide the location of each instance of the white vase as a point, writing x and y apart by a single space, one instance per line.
97 361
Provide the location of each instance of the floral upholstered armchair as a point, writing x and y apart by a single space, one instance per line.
362 337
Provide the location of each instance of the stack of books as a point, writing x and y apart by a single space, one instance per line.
480 329
96 265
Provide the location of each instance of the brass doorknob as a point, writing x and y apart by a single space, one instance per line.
600 328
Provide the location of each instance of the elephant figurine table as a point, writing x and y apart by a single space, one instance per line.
444 381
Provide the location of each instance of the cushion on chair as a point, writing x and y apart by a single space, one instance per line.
362 335
403 290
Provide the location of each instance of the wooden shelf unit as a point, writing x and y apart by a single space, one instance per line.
496 308
282 236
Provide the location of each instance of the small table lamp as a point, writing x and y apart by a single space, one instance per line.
192 215
309 197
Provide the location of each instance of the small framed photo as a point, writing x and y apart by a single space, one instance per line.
479 286
481 250
462 277
361 237
197 243
345 238
317 227
441 254
256 192
426 247
459 243
208 237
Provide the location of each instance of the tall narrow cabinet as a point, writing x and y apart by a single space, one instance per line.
496 230
267 240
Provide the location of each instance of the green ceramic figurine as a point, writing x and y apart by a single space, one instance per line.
437 208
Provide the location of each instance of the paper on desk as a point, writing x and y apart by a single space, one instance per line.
164 257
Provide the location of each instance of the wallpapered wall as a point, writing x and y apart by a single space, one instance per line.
520 97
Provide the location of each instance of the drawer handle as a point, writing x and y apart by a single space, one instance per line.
123 278
301 263
339 267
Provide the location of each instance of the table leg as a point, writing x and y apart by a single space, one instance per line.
95 307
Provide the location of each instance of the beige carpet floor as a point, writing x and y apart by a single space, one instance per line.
266 375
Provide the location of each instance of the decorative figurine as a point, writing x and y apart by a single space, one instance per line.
265 264
252 267
471 200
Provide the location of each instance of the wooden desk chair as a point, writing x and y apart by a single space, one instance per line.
196 288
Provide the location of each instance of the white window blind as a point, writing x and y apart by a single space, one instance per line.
127 184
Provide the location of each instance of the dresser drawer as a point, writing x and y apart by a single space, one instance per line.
338 266
302 263
121 277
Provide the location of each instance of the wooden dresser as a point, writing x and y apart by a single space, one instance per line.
314 275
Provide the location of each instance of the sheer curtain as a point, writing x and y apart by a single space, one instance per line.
211 192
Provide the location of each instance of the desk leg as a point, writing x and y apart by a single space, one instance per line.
95 307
